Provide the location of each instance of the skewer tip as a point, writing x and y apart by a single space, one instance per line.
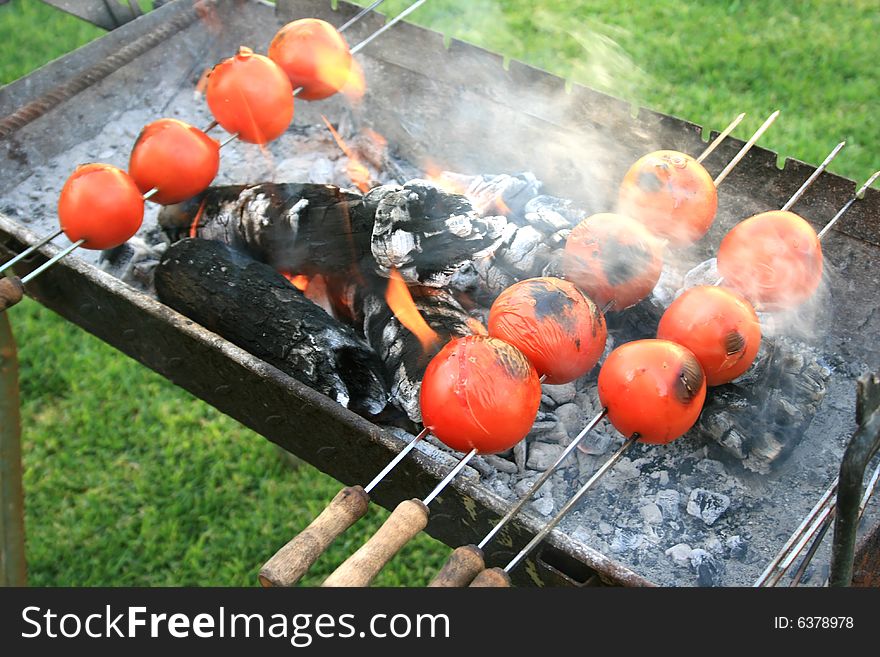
864 188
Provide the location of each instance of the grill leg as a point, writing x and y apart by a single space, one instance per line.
12 559
864 444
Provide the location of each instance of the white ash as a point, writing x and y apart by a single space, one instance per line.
707 505
493 194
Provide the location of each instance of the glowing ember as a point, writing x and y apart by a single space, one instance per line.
356 170
404 308
484 201
299 281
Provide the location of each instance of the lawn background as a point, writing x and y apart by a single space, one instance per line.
131 481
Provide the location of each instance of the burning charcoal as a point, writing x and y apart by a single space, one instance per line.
552 214
253 306
425 233
134 261
544 505
738 547
297 228
668 500
680 554
500 464
543 455
561 394
493 194
651 514
761 417
625 540
572 418
707 505
709 570
401 351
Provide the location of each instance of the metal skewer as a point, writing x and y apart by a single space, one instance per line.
721 137
363 12
746 148
623 449
540 481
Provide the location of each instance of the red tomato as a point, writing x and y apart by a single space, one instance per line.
719 326
249 95
314 55
173 156
773 258
613 258
551 321
654 388
672 194
480 392
101 204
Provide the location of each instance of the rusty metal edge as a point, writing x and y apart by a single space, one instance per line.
175 19
13 564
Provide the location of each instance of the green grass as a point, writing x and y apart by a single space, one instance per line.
131 481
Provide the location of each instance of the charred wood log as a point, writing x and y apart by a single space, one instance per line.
299 228
401 351
254 307
760 418
427 234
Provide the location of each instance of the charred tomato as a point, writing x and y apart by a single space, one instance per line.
560 330
480 393
773 258
672 194
719 326
613 258
653 388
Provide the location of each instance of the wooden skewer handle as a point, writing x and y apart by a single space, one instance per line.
407 520
463 565
11 292
292 561
494 577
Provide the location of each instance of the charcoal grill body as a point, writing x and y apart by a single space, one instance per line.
524 111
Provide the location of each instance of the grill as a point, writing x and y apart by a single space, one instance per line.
420 88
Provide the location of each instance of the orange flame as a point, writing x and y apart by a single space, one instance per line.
455 184
194 228
299 281
355 85
404 308
356 170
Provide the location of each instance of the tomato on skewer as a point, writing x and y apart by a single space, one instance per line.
175 158
654 388
480 393
100 204
773 258
314 56
719 326
672 194
249 95
559 330
613 258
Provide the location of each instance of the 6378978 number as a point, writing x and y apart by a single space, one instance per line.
814 622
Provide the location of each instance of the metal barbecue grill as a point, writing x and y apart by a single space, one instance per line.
420 88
